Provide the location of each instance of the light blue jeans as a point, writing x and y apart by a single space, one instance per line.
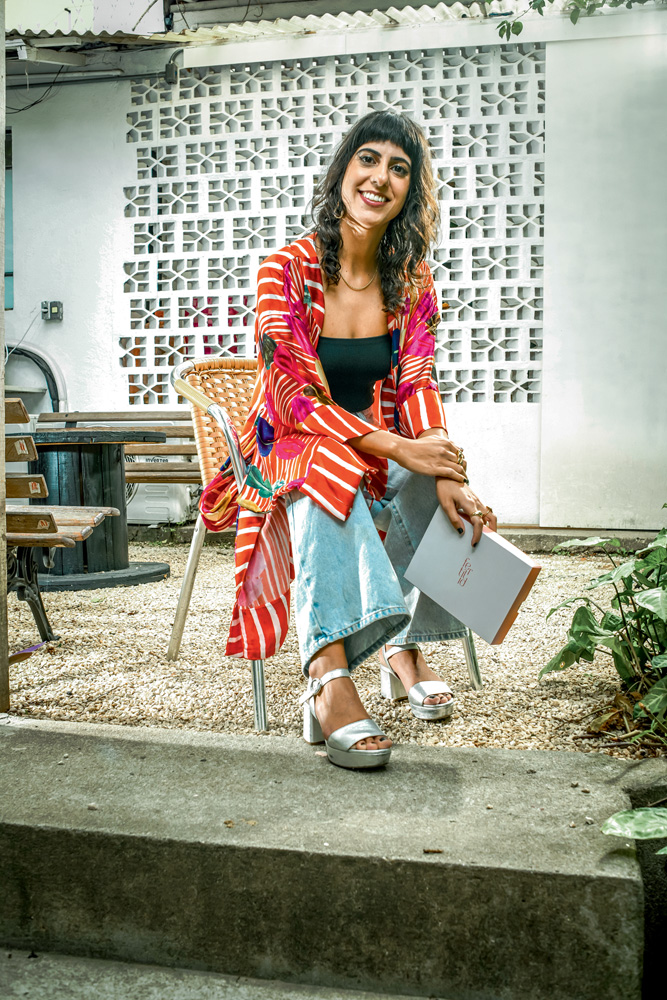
350 586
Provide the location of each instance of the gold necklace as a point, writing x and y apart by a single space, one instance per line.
363 286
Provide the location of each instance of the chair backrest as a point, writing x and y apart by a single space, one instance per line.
230 383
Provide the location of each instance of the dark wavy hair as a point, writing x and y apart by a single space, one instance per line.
408 237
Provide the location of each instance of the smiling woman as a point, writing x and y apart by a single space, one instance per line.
346 442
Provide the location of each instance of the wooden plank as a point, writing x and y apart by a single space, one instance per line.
161 449
70 515
31 522
165 468
58 437
20 448
24 484
183 430
48 541
128 416
15 412
191 478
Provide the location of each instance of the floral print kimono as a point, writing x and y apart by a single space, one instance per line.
296 436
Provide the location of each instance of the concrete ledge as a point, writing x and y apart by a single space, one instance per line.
530 539
253 856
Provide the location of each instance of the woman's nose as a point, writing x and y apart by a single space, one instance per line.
380 174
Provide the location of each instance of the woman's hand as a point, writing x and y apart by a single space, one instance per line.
454 497
431 455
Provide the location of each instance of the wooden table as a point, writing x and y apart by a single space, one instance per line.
86 468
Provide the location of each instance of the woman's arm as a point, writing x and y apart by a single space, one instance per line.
431 454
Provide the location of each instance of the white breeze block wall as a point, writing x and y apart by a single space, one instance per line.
225 167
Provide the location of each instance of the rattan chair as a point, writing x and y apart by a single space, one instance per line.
220 390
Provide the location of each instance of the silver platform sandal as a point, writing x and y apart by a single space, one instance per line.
340 742
392 687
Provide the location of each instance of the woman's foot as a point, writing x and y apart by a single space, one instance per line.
338 702
411 668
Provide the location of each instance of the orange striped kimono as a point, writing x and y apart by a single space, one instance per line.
296 436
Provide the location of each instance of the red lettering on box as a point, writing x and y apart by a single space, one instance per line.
464 573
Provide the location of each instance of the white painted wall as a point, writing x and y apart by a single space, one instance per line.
70 162
604 409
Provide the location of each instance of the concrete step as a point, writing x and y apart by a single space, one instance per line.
65 977
463 873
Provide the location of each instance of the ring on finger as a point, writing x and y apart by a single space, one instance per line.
478 513
460 456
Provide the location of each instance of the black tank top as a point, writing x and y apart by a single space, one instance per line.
352 368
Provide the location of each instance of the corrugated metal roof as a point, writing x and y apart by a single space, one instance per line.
83 17
390 17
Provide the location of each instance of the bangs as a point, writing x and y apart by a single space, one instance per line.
386 126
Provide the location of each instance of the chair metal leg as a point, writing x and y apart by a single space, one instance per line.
259 694
198 537
472 662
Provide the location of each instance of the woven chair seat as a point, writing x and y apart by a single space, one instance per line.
230 382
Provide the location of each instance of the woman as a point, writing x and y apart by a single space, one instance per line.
346 437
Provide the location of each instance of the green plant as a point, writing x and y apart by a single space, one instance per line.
576 9
646 823
633 631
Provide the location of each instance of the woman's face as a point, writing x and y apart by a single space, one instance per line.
376 184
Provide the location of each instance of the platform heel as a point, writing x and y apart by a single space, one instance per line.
312 730
340 744
392 687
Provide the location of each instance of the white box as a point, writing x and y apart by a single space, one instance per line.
483 587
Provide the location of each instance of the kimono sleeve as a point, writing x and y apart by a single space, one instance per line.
292 376
418 403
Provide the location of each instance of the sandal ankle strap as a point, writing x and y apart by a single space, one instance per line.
390 648
315 684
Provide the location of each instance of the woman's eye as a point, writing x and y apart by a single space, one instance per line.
400 170
366 159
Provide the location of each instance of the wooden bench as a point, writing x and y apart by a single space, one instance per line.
180 467
34 530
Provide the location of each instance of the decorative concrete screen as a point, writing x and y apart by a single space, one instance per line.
226 161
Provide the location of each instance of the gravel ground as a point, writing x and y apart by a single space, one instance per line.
111 666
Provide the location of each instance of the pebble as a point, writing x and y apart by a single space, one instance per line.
92 807
123 677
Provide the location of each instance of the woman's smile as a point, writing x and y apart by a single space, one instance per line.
372 198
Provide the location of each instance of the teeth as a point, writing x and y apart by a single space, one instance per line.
373 197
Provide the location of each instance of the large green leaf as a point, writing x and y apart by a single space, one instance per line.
655 699
585 624
611 621
624 663
572 652
653 557
621 572
566 604
659 662
585 543
640 824
654 600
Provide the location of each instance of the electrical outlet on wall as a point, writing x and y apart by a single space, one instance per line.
52 310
